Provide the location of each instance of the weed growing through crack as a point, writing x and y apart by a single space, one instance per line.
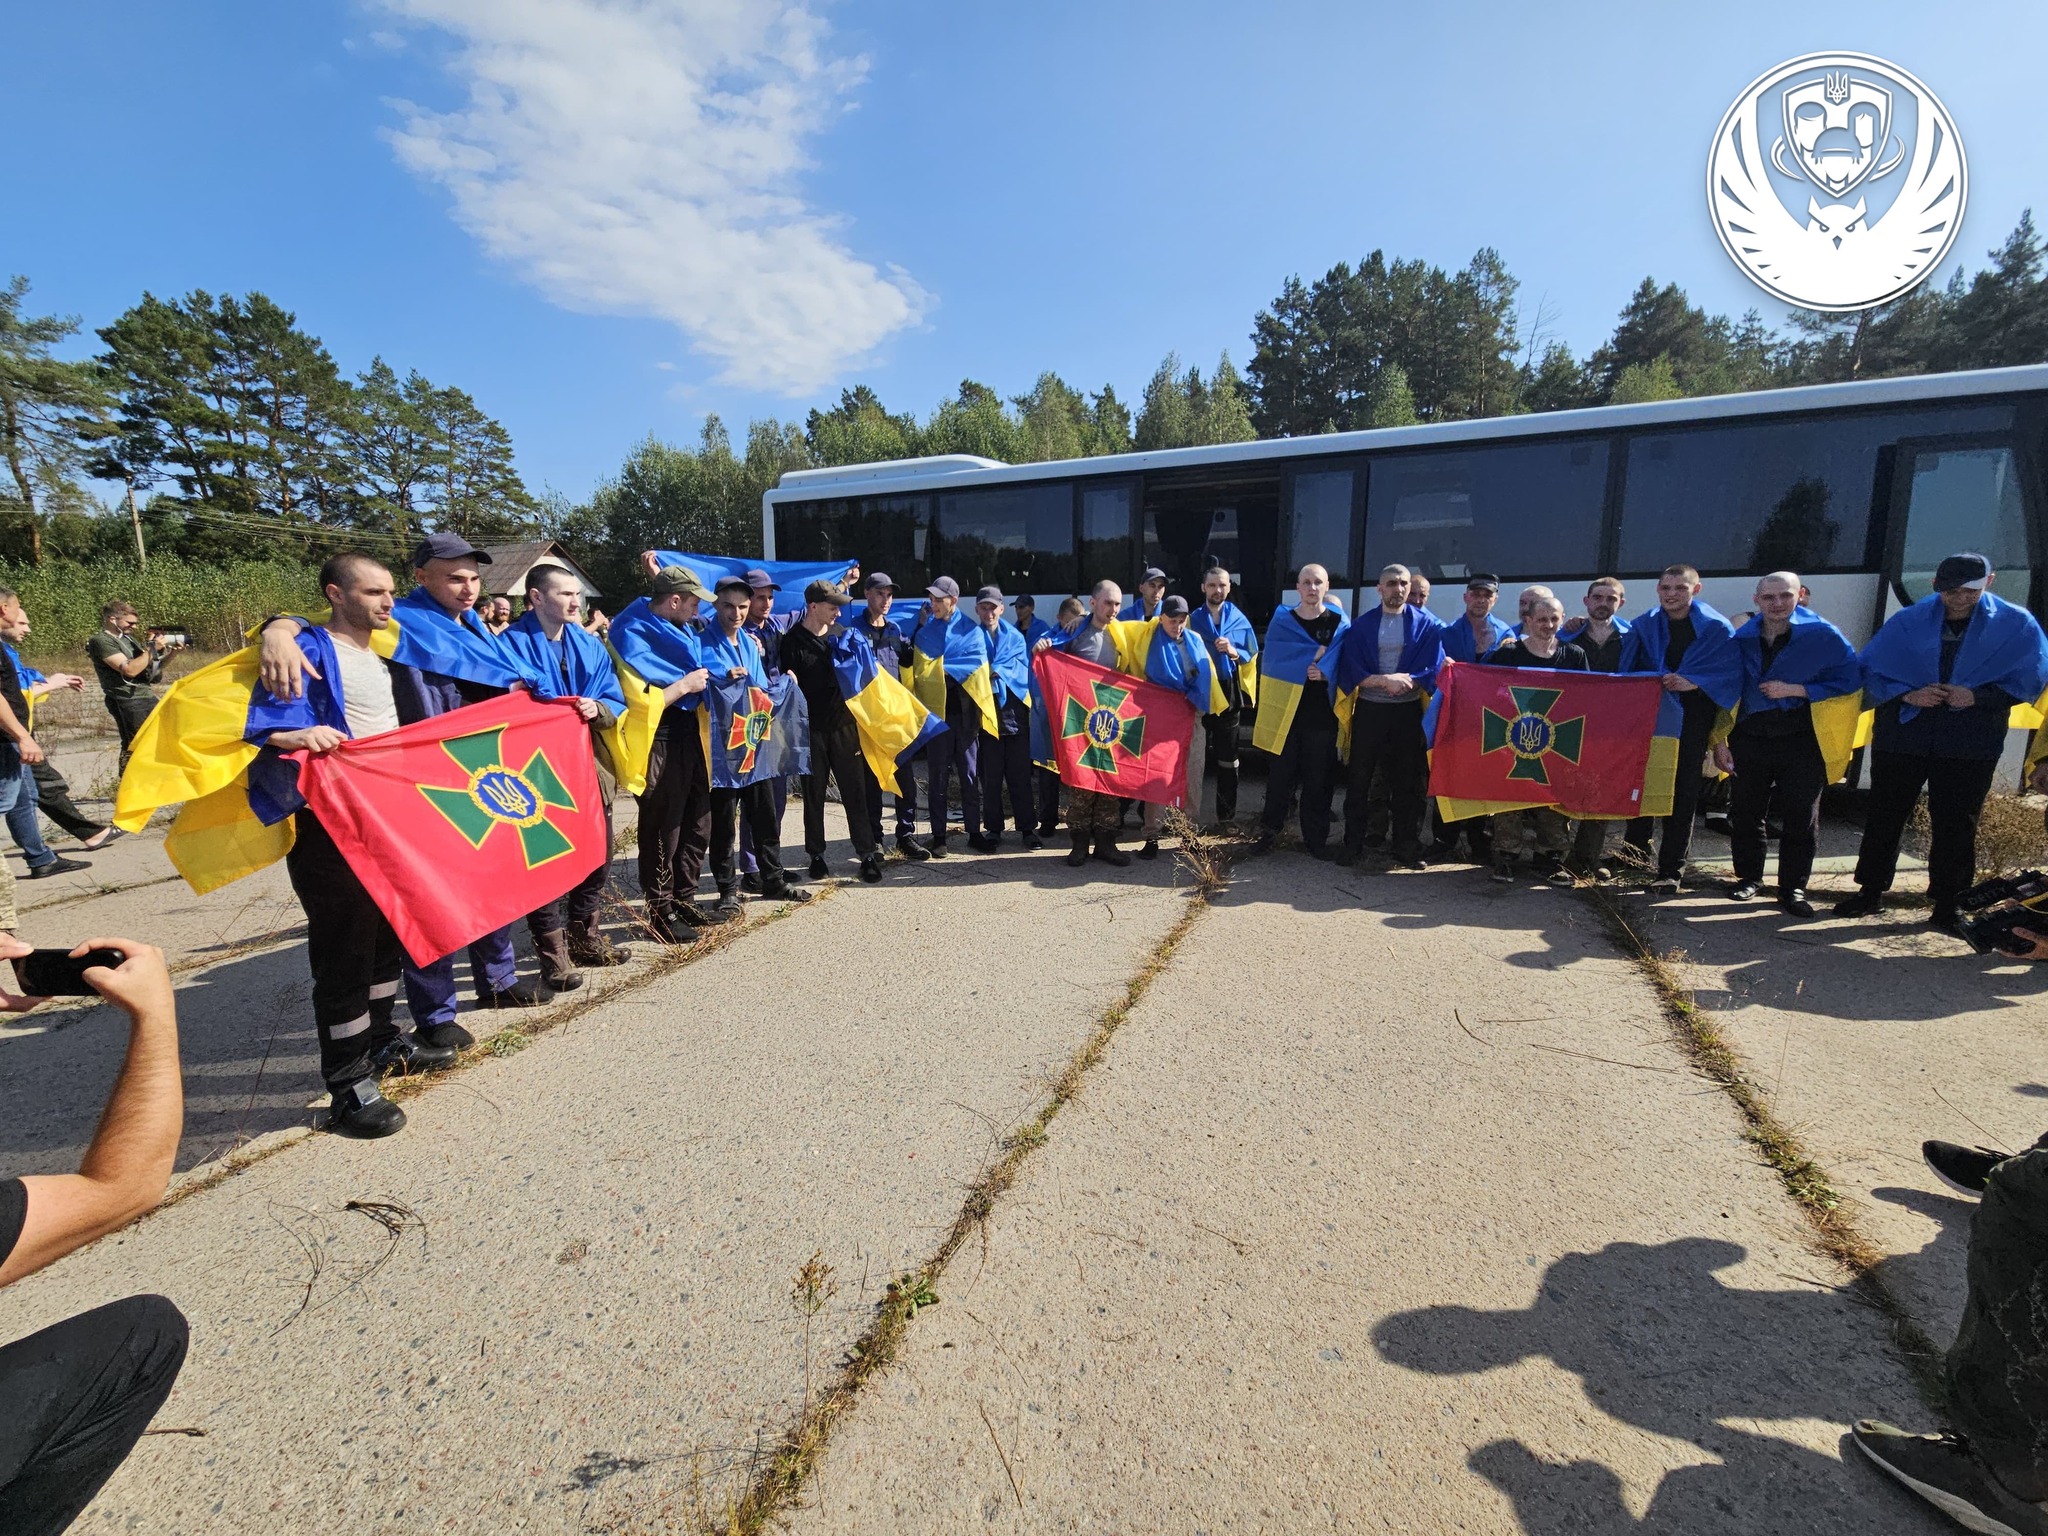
809 1290
1198 855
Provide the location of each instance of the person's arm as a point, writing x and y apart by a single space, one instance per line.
12 727
689 683
2037 945
315 739
131 666
129 1162
282 665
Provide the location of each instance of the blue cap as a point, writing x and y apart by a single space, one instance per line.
446 546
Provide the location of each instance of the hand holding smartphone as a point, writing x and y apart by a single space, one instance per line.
59 973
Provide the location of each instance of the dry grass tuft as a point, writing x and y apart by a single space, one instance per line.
1198 855
2010 834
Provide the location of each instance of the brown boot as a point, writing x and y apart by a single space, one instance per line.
589 946
552 950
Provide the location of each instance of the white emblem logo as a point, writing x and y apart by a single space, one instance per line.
1837 181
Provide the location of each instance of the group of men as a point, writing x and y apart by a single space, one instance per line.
1942 678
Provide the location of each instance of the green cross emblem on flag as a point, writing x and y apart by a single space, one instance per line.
1531 735
497 795
1113 725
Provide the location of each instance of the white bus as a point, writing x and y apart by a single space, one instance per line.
1861 487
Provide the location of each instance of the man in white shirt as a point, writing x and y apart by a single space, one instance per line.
355 957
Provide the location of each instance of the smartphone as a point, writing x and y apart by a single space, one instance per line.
57 973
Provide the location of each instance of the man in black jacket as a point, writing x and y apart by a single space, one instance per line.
808 650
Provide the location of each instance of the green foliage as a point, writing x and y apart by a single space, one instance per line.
216 603
1181 410
1655 380
45 404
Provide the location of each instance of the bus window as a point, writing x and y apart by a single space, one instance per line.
1105 535
1522 509
1965 499
1019 538
884 533
1319 525
1197 519
1766 496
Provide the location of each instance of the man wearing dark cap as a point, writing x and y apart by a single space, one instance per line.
1467 640
809 652
1144 603
729 652
657 638
1943 676
1181 661
945 634
874 626
1005 759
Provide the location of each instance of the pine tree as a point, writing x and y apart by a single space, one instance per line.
44 404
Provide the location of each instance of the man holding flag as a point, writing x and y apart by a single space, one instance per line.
656 638
1233 650
1692 648
730 654
1297 720
880 633
1005 759
1782 745
1092 817
1943 676
445 659
1178 660
549 639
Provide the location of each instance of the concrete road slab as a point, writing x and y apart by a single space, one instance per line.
563 1295
1391 1208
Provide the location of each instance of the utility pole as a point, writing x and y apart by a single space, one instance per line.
135 517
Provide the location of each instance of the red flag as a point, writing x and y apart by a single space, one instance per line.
1579 741
1115 734
459 824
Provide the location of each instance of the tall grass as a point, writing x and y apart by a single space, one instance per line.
213 603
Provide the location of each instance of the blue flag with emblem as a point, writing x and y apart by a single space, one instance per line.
754 732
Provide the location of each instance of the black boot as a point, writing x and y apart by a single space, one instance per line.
1107 851
1079 856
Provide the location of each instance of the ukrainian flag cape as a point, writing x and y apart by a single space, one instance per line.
1820 656
2037 749
1458 638
953 650
1711 663
593 673
1284 661
1185 666
196 750
650 653
1133 641
1009 660
2003 648
458 646
1237 629
893 725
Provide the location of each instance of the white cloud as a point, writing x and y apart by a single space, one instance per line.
643 157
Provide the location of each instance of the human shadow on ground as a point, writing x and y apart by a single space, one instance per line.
1661 1343
1802 966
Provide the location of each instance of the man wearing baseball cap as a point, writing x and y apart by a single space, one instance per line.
809 652
874 626
1144 603
953 640
1943 676
1005 759
657 638
767 627
729 653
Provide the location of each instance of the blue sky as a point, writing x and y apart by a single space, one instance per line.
604 220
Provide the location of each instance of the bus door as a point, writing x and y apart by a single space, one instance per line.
1954 494
1228 517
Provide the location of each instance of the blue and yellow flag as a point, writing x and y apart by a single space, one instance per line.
755 732
952 650
789 576
893 724
1284 661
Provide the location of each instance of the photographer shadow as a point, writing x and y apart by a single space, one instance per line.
1660 1342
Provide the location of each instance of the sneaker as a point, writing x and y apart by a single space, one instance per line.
1744 890
819 869
1033 842
450 1035
58 866
408 1054
1864 903
871 868
668 928
1964 1169
796 895
1794 902
361 1111
1944 1471
1503 872
1664 885
1561 877
1150 850
912 849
